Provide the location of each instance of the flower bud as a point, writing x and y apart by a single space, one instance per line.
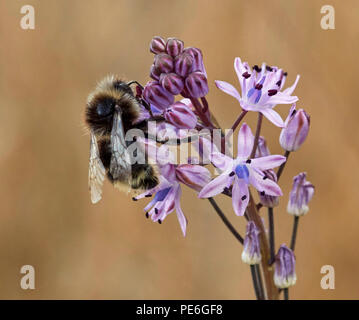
155 73
296 129
196 84
196 54
265 200
183 64
174 46
163 62
251 253
284 273
301 193
180 116
154 94
194 176
262 149
157 45
172 82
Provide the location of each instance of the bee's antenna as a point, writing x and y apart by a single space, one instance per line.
134 81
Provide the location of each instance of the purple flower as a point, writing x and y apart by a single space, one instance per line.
174 46
157 45
168 191
296 129
261 89
301 193
251 253
284 273
242 172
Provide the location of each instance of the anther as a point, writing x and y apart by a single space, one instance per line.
256 68
249 161
147 215
269 68
263 193
134 199
156 211
159 221
265 177
148 195
285 74
272 92
246 75
279 82
244 197
258 86
232 174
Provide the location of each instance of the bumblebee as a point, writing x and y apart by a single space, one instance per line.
111 110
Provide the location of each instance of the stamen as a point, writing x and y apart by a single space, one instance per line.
258 86
246 75
265 177
249 161
134 199
263 193
159 221
147 215
232 174
256 68
279 82
285 74
148 195
293 113
244 198
269 68
156 211
272 92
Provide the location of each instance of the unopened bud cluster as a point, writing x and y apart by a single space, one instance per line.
175 70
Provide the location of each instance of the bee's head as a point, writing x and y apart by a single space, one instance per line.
99 113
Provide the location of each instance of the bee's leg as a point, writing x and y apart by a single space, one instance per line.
134 81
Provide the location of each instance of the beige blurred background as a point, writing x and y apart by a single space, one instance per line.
109 250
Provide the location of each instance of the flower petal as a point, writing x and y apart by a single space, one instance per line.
257 180
240 196
221 161
180 215
216 186
228 88
290 90
245 141
268 162
194 176
273 117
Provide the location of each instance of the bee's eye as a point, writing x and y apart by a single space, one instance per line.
104 108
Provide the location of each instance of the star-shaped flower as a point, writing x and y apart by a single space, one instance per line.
242 172
261 89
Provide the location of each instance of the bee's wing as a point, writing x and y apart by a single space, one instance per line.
96 171
120 165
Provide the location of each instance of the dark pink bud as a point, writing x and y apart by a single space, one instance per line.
157 45
174 47
181 116
155 73
154 94
197 56
183 64
197 85
172 82
163 62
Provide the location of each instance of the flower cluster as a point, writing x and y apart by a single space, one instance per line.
180 71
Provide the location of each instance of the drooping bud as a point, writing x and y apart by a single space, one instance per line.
266 200
301 193
251 253
196 177
296 129
172 82
154 94
174 46
163 62
197 56
180 116
157 45
262 149
183 64
284 273
155 73
196 84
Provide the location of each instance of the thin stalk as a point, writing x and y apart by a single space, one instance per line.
281 168
225 220
260 282
255 281
258 132
294 232
271 235
286 294
235 124
197 105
